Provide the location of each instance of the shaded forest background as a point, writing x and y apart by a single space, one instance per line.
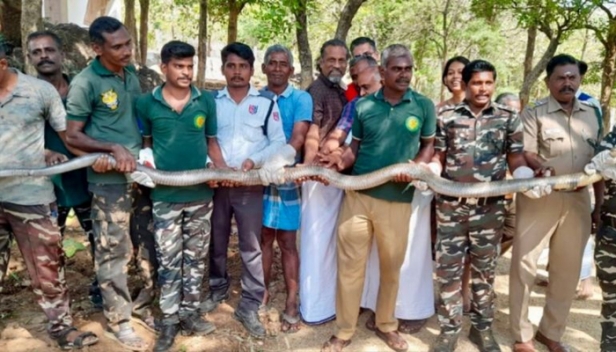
517 36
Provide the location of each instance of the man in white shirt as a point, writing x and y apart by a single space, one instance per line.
249 133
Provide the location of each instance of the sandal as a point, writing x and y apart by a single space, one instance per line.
411 326
290 324
148 323
128 339
86 338
335 344
393 340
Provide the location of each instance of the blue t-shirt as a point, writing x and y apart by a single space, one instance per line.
295 105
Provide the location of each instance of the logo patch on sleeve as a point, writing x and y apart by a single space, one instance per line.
276 116
252 109
199 121
412 123
110 99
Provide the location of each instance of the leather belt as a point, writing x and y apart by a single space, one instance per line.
473 201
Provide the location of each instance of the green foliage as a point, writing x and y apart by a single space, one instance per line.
71 247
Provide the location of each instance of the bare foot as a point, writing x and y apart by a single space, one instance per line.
585 289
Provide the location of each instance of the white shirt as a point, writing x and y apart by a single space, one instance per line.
241 132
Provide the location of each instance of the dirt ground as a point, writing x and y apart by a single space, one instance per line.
23 324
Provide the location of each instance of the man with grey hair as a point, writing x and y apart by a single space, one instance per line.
321 203
371 83
281 203
380 213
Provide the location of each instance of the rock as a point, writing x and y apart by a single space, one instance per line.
14 331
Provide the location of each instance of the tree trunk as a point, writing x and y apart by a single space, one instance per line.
202 44
445 52
533 75
609 72
143 30
303 44
235 7
530 49
346 18
31 21
10 22
131 25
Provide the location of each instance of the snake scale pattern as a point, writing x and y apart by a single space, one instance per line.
373 179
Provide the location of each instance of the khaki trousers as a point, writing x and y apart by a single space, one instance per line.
562 222
362 219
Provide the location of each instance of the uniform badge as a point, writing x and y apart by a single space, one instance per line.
199 121
252 109
412 123
276 116
110 99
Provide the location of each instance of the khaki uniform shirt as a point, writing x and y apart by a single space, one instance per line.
563 142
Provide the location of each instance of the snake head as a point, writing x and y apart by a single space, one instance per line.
141 178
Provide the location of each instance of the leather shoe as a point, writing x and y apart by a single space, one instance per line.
553 346
524 346
251 322
212 301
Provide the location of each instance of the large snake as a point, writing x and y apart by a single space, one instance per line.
370 180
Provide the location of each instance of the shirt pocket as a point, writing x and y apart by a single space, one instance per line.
252 129
554 141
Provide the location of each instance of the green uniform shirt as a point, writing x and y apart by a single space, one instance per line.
389 135
105 102
179 139
71 188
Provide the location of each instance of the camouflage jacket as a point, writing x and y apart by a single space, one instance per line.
476 148
609 198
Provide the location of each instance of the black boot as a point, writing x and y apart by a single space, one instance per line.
166 337
194 324
213 300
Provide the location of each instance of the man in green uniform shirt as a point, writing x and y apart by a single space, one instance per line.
101 118
177 119
393 125
71 188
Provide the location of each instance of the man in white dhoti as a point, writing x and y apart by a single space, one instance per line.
321 203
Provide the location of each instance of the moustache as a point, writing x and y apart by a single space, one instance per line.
567 89
237 78
45 62
403 80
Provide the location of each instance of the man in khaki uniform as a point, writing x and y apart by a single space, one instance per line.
558 133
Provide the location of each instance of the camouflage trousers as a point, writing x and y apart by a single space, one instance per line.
113 216
476 230
605 259
144 250
182 233
40 244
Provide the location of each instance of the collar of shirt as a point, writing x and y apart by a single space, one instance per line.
157 93
286 93
225 92
101 70
554 105
408 95
21 87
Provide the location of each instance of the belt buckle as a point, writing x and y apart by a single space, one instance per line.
472 201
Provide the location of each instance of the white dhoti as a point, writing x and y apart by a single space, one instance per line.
416 292
317 273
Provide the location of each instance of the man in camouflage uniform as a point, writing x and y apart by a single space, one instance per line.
26 103
181 214
476 141
101 119
71 188
605 249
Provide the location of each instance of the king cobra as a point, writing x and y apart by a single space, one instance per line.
151 177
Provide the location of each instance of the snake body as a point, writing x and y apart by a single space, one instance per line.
366 181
